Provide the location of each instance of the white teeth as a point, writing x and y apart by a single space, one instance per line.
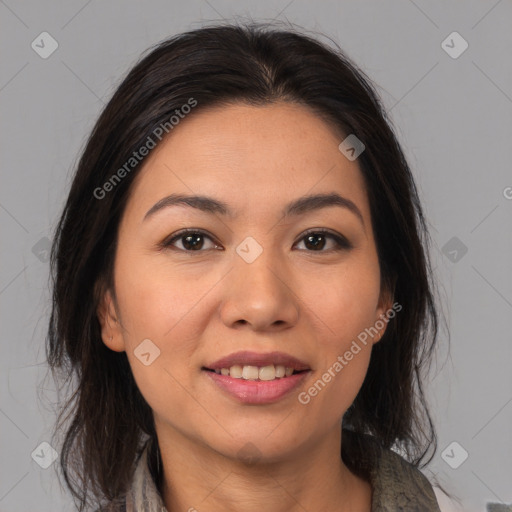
280 370
235 371
267 372
248 372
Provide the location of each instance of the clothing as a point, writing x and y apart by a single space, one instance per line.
397 486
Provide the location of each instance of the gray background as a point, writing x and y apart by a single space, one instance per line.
452 115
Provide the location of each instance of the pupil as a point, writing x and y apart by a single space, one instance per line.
195 241
320 245
192 241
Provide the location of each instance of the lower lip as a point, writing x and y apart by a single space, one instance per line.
257 391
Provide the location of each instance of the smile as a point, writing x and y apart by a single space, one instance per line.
248 372
247 386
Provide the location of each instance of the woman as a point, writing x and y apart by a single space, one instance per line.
242 288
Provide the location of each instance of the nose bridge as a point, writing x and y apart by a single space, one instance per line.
259 293
261 275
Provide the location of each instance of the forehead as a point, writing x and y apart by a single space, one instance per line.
252 157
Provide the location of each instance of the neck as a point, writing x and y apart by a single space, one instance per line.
195 477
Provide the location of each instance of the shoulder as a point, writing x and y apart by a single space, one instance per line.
142 494
118 507
398 485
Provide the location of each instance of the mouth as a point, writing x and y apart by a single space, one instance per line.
257 378
265 373
256 391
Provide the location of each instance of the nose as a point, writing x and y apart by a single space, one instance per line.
260 295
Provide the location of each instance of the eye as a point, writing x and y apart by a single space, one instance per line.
191 240
316 240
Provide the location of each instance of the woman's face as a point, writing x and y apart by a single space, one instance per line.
249 279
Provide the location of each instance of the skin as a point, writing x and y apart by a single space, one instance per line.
198 306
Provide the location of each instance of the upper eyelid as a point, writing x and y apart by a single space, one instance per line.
171 239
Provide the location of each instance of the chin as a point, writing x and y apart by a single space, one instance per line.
256 447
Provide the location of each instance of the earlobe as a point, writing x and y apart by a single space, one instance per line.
382 319
111 334
380 325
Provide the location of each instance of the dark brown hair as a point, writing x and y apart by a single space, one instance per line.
258 65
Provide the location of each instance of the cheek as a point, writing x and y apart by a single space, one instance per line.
166 308
345 310
155 299
161 310
346 301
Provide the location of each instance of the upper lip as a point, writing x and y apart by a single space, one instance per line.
248 358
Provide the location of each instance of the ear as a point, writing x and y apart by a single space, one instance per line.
111 332
385 310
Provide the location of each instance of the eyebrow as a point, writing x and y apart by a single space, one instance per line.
299 206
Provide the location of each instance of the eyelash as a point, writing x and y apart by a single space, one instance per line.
341 242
